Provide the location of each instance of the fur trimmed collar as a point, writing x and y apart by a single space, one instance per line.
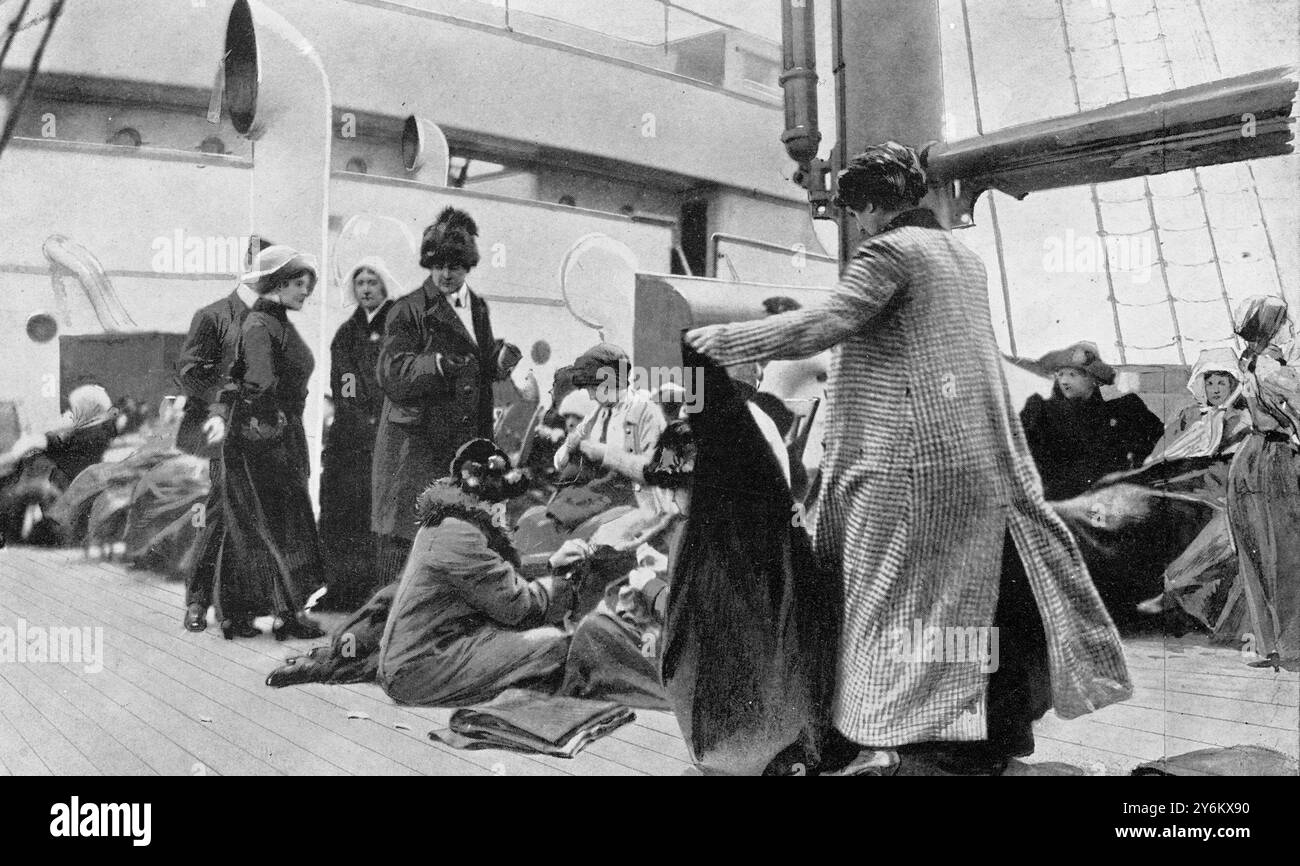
443 499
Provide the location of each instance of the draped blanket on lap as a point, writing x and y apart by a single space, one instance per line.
751 633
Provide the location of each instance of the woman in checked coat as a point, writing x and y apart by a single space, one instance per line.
930 508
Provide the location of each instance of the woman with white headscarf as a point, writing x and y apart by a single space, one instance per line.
350 442
39 466
1264 486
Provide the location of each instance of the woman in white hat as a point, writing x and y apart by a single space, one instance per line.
268 556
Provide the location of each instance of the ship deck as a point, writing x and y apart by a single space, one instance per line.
172 703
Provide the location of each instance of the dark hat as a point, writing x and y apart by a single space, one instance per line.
588 370
673 463
1084 356
481 468
888 175
1260 317
450 240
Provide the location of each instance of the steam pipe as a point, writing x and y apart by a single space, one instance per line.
425 153
278 95
67 257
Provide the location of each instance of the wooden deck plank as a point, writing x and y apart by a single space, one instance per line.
216 680
56 751
1248 712
622 752
207 747
672 755
1214 732
1261 690
190 705
1188 695
18 754
114 741
264 659
601 758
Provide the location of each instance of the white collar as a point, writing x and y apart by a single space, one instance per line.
370 314
247 295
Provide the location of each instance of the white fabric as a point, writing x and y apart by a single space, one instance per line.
392 288
460 303
1215 361
247 295
577 402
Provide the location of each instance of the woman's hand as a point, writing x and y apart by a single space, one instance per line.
706 340
637 578
215 430
593 451
570 552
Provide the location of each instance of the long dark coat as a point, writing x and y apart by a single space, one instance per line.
204 364
1077 442
348 456
267 557
426 415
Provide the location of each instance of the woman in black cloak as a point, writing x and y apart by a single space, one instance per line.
1076 435
345 485
753 621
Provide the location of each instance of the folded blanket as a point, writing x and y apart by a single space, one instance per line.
524 721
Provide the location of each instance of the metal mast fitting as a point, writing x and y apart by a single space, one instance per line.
1242 118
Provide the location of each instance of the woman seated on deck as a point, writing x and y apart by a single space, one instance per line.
40 466
465 625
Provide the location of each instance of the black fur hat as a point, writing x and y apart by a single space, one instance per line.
450 240
673 464
483 469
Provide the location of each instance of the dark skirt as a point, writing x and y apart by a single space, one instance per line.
1264 513
265 557
612 659
345 536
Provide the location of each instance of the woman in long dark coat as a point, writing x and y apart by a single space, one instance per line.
1076 436
269 558
345 532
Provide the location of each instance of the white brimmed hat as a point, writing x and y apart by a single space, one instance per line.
277 259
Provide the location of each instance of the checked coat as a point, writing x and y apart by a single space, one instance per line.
925 471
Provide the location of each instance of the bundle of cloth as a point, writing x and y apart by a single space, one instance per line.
148 504
752 627
40 467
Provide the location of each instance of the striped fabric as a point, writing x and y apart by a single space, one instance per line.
925 468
